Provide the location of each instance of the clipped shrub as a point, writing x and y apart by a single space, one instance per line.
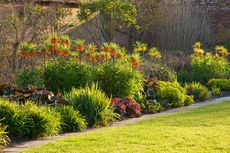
71 120
223 84
4 140
40 121
64 75
119 79
199 91
13 118
29 76
216 92
171 94
158 71
126 107
93 104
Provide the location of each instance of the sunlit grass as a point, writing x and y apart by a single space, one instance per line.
203 130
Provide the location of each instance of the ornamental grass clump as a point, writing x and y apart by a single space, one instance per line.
92 103
71 120
4 139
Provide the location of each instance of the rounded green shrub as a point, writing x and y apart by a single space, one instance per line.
29 76
158 71
118 79
40 121
189 100
13 118
216 92
223 84
64 75
171 94
71 120
199 91
93 104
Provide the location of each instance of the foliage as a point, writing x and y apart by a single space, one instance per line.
4 140
199 91
93 104
38 95
29 76
112 15
150 106
63 76
183 76
189 100
223 84
126 107
118 79
71 120
158 71
206 66
40 121
13 118
171 94
216 92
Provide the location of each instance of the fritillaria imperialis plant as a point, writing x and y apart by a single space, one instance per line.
27 50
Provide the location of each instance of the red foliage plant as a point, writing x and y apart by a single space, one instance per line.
127 107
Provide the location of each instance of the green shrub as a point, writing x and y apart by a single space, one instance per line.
189 100
40 121
158 71
199 92
216 92
119 79
183 76
71 120
150 106
223 84
207 67
63 76
93 104
3 137
29 76
13 118
171 94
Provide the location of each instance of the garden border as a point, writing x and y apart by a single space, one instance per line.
18 147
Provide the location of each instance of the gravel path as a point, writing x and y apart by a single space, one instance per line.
18 147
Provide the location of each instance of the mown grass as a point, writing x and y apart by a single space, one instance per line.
203 130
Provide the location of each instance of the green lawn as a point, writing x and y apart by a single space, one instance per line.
203 130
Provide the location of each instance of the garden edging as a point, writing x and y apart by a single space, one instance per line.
18 147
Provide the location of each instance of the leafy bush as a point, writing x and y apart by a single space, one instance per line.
119 79
171 94
158 71
216 92
40 121
29 76
206 66
93 104
150 106
63 76
223 84
126 107
13 118
199 92
189 100
3 137
183 76
71 120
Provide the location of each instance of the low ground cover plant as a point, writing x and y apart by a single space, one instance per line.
93 104
223 84
198 91
126 107
4 140
71 120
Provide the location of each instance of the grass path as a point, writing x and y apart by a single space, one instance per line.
201 130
